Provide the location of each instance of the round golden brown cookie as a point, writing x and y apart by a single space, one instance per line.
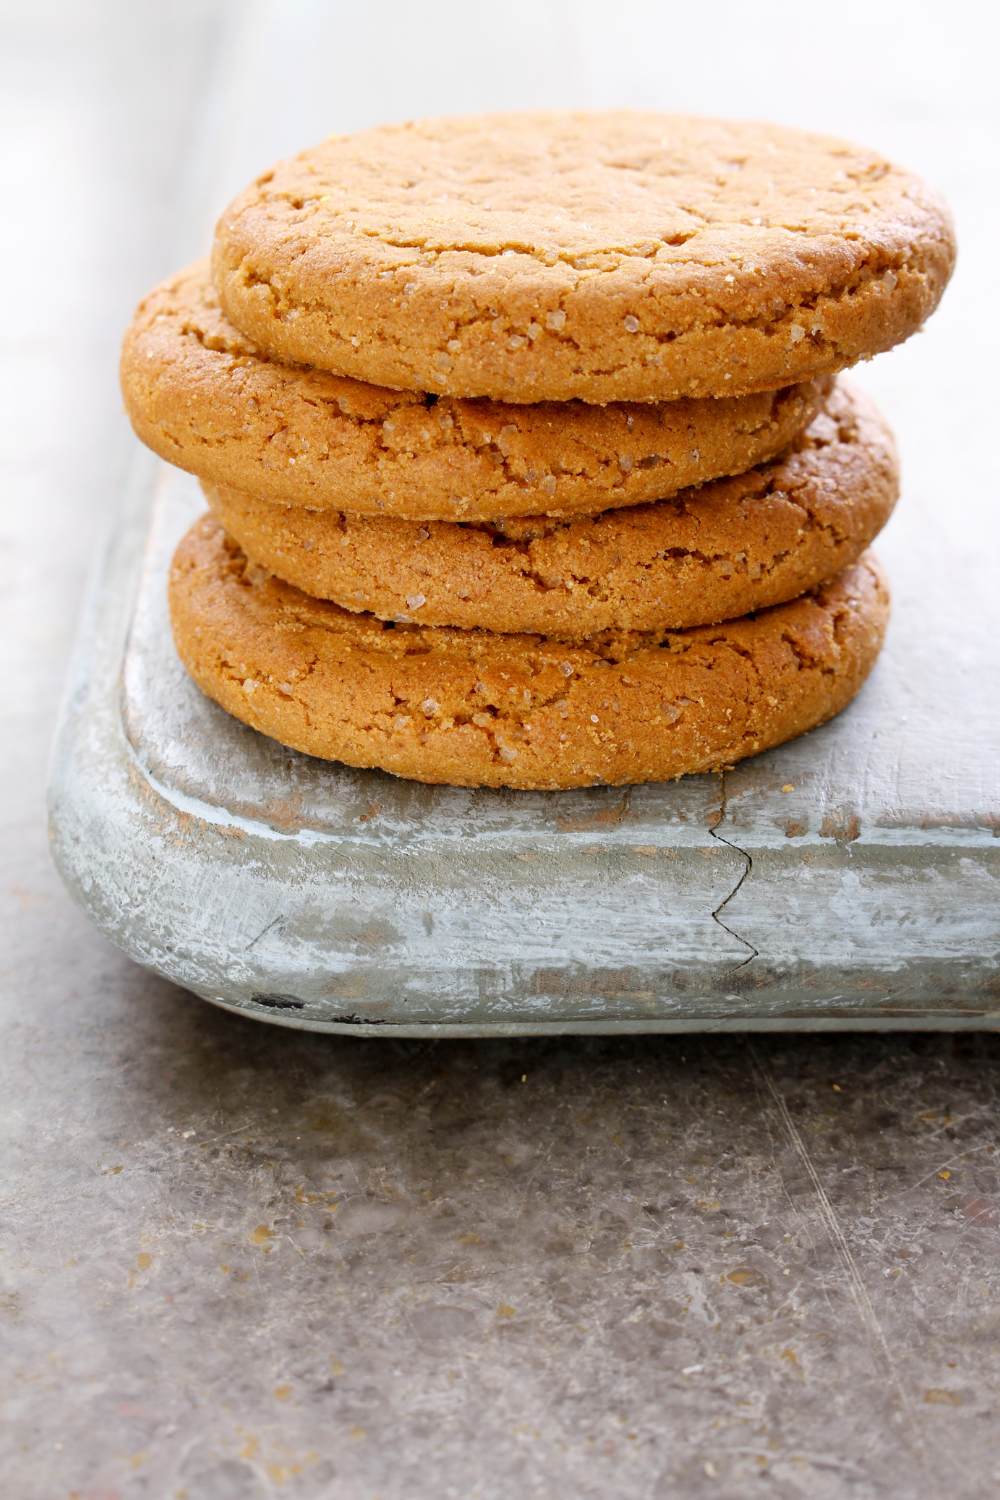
705 555
476 709
205 398
611 256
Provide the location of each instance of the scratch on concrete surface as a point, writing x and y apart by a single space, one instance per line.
855 1281
713 829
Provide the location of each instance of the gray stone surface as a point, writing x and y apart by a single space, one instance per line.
269 1262
456 1269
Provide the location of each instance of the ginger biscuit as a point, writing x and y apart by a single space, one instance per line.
206 398
473 708
616 256
705 555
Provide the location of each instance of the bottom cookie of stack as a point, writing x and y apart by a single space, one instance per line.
472 708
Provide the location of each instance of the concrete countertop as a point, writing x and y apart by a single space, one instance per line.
237 1262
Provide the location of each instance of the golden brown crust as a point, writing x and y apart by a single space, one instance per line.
610 257
475 709
204 397
706 555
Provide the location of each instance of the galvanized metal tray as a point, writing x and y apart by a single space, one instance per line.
850 879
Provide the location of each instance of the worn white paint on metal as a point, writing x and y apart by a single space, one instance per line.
850 878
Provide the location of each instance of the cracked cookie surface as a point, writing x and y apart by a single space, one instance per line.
204 397
618 256
705 555
472 708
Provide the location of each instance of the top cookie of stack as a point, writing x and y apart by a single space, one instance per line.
602 257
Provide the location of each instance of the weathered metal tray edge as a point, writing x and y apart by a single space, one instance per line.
114 831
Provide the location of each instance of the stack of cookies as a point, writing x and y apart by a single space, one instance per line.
525 458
